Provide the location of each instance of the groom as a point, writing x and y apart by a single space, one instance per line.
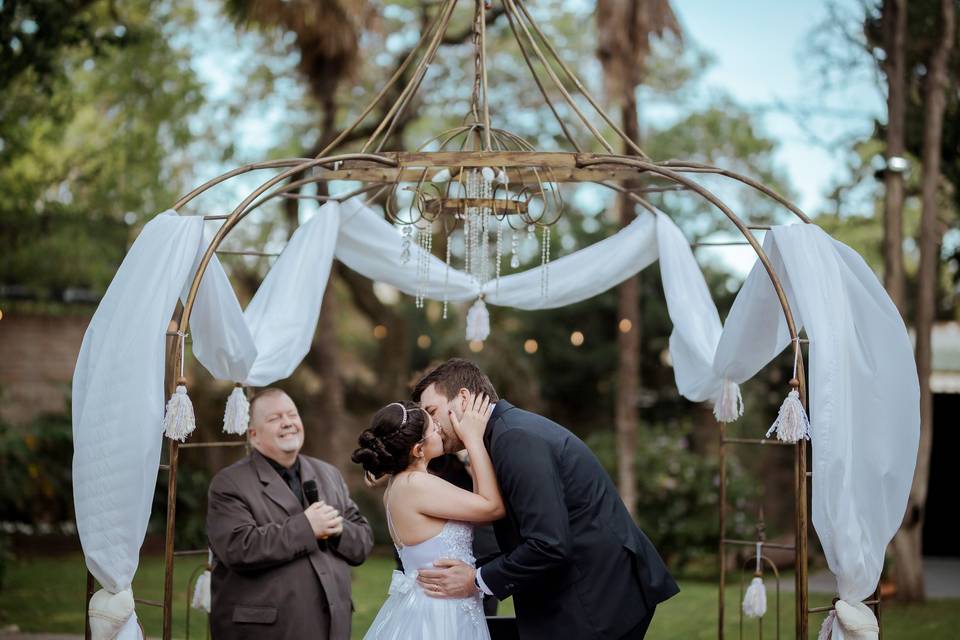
572 558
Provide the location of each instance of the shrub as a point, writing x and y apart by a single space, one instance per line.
677 492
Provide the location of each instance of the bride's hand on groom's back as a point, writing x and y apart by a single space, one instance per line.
474 421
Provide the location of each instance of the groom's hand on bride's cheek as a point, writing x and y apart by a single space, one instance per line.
450 579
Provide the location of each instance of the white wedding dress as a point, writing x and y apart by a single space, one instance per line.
409 613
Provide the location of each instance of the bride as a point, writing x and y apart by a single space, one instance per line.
429 519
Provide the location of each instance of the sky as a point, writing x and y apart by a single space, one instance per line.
763 59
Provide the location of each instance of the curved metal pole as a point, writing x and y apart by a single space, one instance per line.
579 85
383 91
510 7
293 186
800 459
699 167
419 73
678 178
269 164
543 90
241 211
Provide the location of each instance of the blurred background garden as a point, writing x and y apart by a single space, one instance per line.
110 110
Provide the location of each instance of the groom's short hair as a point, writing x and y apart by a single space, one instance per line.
453 375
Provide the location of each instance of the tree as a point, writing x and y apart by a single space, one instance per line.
327 38
894 23
33 35
625 30
83 158
908 543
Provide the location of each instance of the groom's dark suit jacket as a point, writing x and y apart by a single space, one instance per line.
574 561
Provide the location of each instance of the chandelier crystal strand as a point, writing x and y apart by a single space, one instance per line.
499 224
419 267
405 244
546 266
484 228
424 263
427 259
544 257
416 242
446 278
514 245
467 234
477 231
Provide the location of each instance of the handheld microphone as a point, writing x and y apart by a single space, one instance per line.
311 492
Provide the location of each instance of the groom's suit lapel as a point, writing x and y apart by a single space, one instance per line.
505 528
498 410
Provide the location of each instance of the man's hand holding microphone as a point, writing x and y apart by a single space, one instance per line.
325 521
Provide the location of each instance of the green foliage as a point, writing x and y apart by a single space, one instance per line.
90 156
191 528
677 491
6 557
42 595
33 34
35 469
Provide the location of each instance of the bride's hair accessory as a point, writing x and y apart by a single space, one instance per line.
386 447
403 420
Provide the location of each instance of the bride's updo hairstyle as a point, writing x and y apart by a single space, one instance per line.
385 446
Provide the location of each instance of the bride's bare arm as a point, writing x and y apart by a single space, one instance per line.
437 498
440 499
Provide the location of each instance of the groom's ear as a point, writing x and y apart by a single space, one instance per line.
463 396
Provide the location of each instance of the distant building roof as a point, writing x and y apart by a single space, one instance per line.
946 358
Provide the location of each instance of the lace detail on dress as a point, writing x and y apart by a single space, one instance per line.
457 540
409 612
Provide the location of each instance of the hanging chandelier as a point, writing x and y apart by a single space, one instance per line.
482 187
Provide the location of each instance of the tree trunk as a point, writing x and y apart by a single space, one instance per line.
331 434
895 33
628 343
908 543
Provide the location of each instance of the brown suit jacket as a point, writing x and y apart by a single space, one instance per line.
271 578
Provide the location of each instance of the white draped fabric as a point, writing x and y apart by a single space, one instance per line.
863 384
371 246
284 311
118 401
864 392
268 340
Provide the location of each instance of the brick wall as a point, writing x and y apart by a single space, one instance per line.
37 356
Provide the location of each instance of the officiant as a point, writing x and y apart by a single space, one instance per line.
284 533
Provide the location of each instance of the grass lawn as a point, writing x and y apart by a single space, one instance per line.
46 594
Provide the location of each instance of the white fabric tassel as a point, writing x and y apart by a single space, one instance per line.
478 321
826 629
236 416
792 424
179 421
729 406
755 599
201 592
